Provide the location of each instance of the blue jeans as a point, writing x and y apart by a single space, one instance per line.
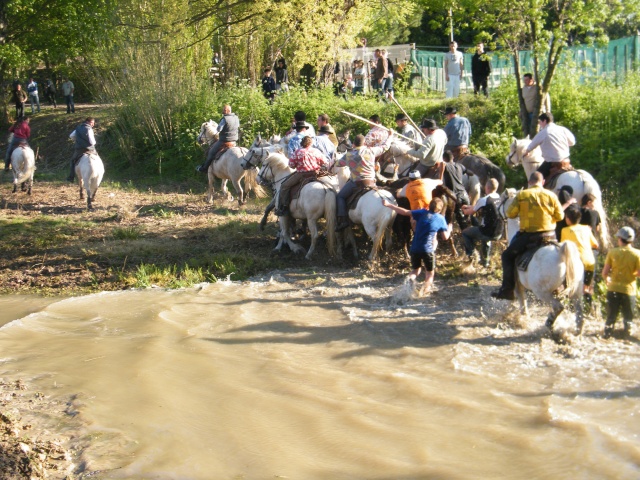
34 98
70 106
343 194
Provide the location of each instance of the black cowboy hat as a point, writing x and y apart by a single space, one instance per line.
301 124
325 129
450 110
429 123
401 116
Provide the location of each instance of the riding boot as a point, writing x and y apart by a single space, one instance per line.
485 254
343 222
72 173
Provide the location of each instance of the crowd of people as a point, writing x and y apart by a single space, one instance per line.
19 96
438 154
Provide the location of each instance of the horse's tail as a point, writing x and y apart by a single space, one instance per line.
571 257
28 165
251 183
592 187
330 216
92 172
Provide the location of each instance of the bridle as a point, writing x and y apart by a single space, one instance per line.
247 164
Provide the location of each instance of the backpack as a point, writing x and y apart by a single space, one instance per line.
493 224
390 67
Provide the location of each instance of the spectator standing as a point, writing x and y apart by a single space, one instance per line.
67 91
358 77
480 70
32 90
530 96
50 92
268 85
19 98
621 268
282 75
454 70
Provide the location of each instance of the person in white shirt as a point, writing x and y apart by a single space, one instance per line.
453 69
554 142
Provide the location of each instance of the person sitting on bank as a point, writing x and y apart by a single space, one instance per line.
539 210
306 160
361 161
228 127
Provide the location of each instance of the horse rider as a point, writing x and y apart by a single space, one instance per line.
21 133
302 130
306 160
458 130
227 134
323 143
323 121
554 142
539 210
85 142
452 179
430 153
299 116
361 163
378 134
407 130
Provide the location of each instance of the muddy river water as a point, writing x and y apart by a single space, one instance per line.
325 377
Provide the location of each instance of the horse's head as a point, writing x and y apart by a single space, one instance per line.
208 133
257 153
516 151
272 167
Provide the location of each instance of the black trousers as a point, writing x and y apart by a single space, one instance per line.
517 246
616 303
480 83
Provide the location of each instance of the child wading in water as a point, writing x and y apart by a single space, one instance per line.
423 247
621 268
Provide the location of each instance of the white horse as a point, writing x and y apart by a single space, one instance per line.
259 150
552 269
23 164
89 171
229 167
579 180
376 219
405 162
316 200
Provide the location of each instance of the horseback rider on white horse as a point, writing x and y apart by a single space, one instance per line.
429 155
539 210
361 163
458 131
21 133
307 161
85 142
554 142
406 129
227 136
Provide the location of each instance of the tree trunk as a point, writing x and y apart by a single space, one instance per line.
524 116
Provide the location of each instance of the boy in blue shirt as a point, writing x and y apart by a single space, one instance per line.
428 223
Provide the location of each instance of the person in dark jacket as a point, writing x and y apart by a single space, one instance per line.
452 179
228 127
480 70
85 142
268 85
19 98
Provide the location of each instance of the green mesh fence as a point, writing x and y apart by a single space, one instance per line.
614 60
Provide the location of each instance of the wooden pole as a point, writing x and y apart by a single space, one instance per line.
376 125
410 119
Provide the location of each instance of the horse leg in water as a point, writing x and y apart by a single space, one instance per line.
557 309
521 294
285 232
349 238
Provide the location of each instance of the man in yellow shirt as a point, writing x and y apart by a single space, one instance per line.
621 268
539 210
583 237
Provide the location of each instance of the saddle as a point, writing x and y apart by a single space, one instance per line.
557 169
523 260
363 188
296 189
225 146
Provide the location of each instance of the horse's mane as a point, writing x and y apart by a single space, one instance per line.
276 159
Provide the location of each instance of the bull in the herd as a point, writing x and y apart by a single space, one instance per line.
580 181
228 167
23 165
554 270
89 171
